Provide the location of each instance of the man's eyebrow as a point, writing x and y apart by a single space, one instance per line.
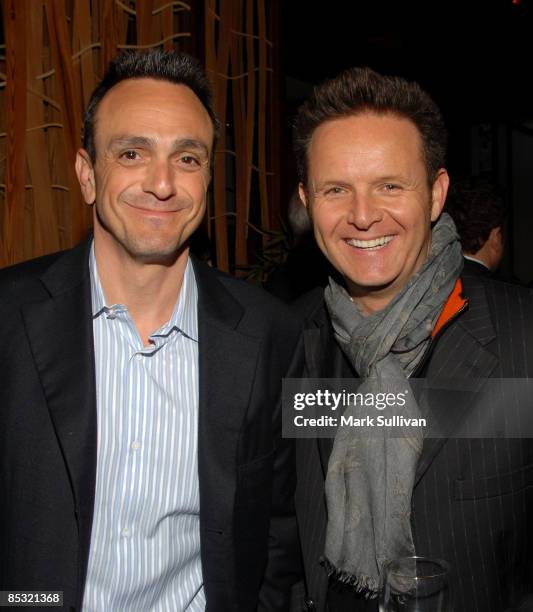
390 178
131 141
190 143
404 180
329 183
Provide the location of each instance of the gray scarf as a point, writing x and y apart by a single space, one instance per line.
370 480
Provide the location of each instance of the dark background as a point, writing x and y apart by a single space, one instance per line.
474 58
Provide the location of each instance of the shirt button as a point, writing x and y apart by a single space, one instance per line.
125 532
135 445
138 357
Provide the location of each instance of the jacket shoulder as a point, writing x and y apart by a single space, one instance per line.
506 300
499 317
20 282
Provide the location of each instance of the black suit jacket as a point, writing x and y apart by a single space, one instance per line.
472 267
473 499
48 434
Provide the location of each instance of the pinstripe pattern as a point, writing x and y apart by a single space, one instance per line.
145 543
473 502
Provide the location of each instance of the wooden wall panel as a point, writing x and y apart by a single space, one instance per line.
44 213
15 126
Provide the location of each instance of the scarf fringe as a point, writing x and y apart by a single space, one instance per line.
363 585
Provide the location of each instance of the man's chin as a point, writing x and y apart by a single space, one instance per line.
158 254
369 286
374 281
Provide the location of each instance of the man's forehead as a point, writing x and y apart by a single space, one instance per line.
388 142
147 104
136 86
367 123
150 94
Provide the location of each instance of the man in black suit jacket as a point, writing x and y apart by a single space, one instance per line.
370 152
145 167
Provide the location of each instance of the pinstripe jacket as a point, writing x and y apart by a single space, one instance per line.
48 435
473 499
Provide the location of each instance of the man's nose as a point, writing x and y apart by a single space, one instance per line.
160 179
364 211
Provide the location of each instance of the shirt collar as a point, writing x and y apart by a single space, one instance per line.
470 258
97 293
185 314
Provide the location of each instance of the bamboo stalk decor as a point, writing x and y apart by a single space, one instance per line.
52 55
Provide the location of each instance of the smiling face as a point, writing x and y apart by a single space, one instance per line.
153 143
371 203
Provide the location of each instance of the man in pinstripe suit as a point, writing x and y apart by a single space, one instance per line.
370 153
141 462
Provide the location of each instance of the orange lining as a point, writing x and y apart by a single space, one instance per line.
454 304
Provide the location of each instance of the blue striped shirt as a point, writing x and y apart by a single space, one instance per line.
145 541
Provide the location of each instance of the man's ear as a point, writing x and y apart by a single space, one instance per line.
496 236
438 193
495 240
303 197
494 247
85 174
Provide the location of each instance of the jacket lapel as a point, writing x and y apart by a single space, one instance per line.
462 353
59 330
323 360
227 362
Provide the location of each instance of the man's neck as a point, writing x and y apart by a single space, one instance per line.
370 302
148 290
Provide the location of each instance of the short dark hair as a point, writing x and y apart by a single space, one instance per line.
477 207
360 90
171 66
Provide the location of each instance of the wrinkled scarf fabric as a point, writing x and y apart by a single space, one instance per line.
370 480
